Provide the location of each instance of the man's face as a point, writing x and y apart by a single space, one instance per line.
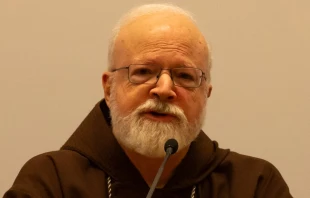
165 41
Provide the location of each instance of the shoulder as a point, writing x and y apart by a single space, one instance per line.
245 163
261 174
52 160
248 166
59 174
37 178
239 160
62 165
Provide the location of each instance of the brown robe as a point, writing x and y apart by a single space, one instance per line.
81 167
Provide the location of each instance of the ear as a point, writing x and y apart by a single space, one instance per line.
209 90
106 84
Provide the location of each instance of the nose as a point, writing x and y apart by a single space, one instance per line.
164 88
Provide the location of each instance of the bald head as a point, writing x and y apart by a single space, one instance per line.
157 27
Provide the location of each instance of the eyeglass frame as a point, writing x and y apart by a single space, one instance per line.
203 76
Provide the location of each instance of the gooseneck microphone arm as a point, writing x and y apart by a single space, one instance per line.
171 146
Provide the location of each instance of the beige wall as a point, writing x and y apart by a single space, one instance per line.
52 54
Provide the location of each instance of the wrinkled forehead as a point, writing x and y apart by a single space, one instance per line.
145 33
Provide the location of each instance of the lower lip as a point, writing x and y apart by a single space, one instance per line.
159 118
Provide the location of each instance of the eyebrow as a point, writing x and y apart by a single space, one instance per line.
149 60
154 63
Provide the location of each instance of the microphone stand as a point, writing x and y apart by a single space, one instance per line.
171 146
160 171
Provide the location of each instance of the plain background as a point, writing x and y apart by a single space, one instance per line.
52 55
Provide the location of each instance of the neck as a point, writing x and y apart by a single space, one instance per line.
148 167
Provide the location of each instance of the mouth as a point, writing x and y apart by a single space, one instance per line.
159 116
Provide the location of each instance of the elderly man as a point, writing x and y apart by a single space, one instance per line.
156 88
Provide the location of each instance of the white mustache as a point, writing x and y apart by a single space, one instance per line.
161 107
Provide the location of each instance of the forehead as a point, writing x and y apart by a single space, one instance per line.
160 37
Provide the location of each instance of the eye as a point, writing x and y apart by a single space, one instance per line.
143 71
185 76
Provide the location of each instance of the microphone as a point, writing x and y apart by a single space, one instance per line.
171 146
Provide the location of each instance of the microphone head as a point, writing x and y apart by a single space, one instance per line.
172 143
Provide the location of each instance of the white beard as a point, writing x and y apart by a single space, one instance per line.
148 137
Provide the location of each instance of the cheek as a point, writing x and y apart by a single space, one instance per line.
129 97
192 102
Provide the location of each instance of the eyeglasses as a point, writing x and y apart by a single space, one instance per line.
188 77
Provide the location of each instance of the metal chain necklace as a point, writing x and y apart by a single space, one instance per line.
110 188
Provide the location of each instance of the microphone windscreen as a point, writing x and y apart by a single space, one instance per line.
172 143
